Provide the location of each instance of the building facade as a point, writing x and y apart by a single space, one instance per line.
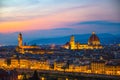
95 67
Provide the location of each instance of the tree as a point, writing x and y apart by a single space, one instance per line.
66 66
68 63
8 61
52 66
24 77
35 76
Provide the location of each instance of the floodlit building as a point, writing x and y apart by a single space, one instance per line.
98 67
25 48
33 49
2 62
93 43
112 68
58 65
95 66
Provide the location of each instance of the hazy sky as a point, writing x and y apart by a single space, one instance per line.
74 16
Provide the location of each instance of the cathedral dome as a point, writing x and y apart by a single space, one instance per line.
93 40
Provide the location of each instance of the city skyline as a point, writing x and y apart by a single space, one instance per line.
54 18
59 40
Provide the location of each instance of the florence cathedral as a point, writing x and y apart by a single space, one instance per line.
93 43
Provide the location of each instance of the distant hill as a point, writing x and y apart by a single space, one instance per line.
105 38
9 39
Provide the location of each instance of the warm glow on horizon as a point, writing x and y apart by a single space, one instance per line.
23 15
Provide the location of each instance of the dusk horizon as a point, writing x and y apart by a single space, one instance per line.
49 39
59 40
54 18
77 16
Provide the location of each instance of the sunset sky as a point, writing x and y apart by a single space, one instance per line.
76 15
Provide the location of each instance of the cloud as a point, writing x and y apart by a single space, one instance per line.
16 3
62 29
98 22
49 14
99 26
27 9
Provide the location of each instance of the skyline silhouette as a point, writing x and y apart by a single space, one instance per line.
39 19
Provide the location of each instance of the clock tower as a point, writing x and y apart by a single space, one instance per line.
20 40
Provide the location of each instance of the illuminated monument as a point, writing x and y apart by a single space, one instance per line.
25 48
94 40
93 43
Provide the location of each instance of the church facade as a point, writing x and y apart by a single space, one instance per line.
93 43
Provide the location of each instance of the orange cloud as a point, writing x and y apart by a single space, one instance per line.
55 20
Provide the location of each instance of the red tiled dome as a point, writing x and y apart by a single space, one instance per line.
93 40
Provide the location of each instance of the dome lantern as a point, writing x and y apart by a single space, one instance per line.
93 40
